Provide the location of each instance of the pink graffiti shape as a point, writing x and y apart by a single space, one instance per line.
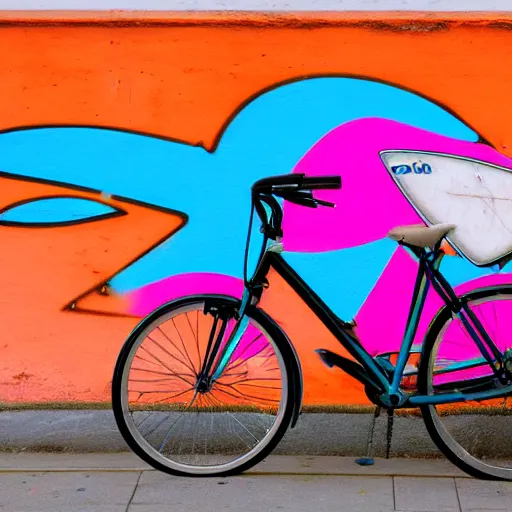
369 203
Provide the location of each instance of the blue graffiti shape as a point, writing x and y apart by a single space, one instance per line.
268 136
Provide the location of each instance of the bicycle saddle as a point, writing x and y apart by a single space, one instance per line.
421 236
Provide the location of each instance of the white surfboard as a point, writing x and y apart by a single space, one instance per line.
473 195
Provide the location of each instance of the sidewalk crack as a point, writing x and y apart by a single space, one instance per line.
394 497
134 491
457 494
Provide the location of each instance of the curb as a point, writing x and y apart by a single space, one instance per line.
316 434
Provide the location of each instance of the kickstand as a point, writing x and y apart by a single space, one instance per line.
368 460
391 416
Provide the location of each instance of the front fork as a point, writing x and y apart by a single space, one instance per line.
251 296
215 362
234 338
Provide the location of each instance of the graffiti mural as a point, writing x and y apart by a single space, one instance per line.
103 223
64 242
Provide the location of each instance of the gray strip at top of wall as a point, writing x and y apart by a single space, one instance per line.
262 5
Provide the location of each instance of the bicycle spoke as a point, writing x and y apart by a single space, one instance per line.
156 391
135 368
495 323
256 386
196 336
169 339
152 380
183 343
149 432
138 356
185 364
256 379
242 374
245 350
144 420
174 396
164 365
244 361
243 395
164 442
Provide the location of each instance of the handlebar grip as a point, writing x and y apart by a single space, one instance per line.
322 182
266 184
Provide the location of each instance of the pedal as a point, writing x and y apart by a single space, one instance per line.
327 357
331 359
354 369
368 460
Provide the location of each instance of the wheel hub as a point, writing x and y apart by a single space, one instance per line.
204 385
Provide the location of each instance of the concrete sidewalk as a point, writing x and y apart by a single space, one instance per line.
118 482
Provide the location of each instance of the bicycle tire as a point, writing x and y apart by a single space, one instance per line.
119 401
444 440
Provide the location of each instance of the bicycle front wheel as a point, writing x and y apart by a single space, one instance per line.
184 428
475 436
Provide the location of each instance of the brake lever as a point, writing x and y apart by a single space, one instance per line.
302 201
325 203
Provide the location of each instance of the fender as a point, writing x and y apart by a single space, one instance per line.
297 380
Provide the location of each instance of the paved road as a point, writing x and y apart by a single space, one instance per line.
121 482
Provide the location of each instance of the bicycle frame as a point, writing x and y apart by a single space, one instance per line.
373 374
382 381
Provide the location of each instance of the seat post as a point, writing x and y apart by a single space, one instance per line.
439 282
419 252
436 254
419 296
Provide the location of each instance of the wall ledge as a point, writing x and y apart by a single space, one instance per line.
383 20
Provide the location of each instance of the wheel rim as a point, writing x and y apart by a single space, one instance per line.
202 433
477 433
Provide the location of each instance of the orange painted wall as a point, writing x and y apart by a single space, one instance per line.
183 77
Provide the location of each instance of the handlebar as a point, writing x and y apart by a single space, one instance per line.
296 188
322 183
286 183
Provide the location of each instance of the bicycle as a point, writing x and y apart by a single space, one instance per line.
228 382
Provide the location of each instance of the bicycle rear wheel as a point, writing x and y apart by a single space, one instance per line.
179 427
475 436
